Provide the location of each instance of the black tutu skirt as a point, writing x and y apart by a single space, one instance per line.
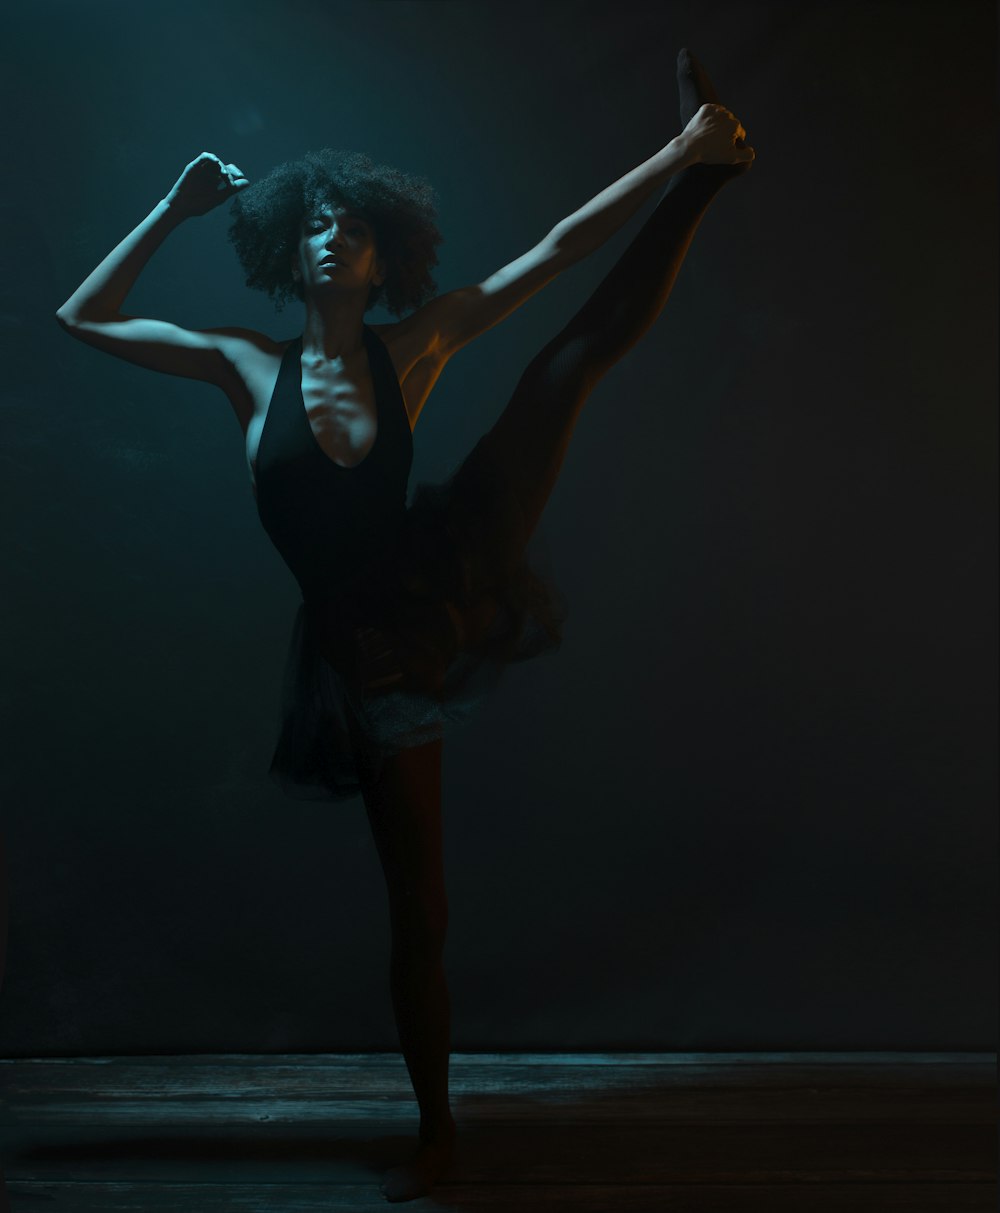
411 644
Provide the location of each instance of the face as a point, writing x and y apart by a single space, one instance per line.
346 242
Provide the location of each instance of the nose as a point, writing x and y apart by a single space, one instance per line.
336 235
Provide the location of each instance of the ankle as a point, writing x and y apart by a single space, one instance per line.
438 1132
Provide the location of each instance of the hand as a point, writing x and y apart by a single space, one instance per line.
716 136
204 184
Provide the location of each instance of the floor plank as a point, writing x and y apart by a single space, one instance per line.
177 1090
575 1131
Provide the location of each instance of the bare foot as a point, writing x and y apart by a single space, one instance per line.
422 1172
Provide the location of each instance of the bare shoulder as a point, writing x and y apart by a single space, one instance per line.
407 343
239 344
252 360
417 358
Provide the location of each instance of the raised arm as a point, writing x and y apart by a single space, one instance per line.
450 321
93 312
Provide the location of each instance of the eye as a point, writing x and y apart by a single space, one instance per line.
317 225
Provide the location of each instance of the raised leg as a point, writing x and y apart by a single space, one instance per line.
531 436
404 809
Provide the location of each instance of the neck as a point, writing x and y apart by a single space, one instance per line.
333 328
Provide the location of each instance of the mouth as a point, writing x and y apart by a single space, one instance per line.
331 261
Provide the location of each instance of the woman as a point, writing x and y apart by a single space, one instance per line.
408 615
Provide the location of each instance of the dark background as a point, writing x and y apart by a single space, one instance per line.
749 804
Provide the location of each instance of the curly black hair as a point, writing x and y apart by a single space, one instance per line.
266 219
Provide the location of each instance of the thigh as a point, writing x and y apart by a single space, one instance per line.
404 810
530 438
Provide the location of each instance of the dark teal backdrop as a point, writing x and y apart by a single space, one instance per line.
749 805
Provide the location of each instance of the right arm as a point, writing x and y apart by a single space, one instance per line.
93 312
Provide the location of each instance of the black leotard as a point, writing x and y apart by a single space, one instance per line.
375 663
324 518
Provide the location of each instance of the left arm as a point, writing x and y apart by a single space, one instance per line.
441 327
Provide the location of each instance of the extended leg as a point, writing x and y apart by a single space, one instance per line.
533 432
404 809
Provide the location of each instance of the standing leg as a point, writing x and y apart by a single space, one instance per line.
532 434
404 809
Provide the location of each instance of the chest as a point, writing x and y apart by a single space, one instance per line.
341 409
336 404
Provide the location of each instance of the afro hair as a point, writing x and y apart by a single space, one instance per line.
266 219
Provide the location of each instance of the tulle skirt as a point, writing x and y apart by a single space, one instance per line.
407 647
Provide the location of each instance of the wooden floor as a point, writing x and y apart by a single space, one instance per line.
674 1133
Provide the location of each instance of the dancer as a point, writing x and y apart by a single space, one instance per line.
408 614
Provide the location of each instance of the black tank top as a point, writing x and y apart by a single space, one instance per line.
327 521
